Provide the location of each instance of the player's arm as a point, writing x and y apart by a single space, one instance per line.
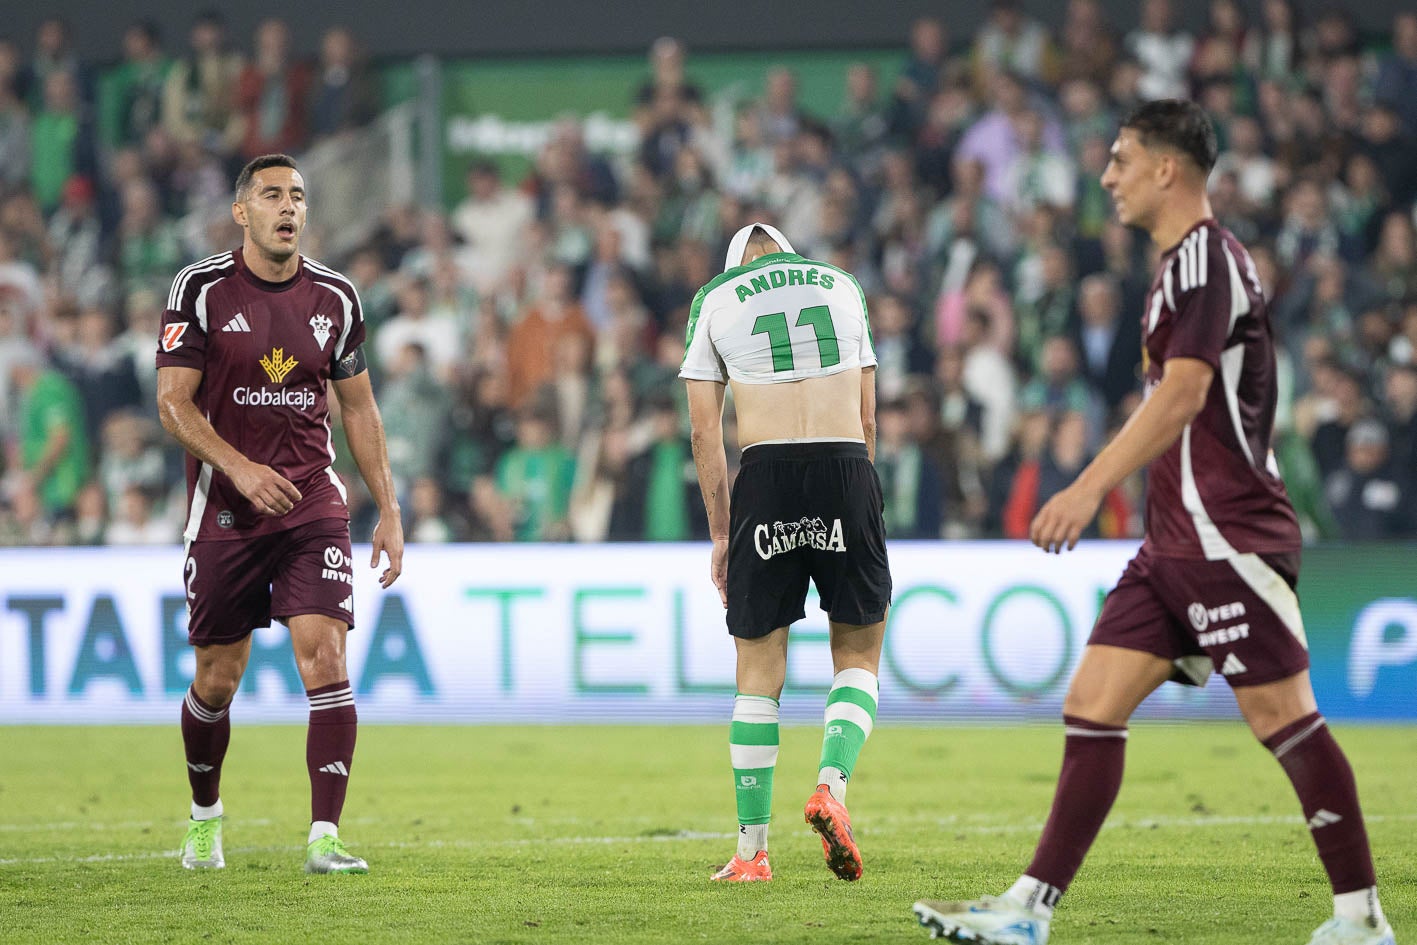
267 490
364 428
868 410
706 438
1149 432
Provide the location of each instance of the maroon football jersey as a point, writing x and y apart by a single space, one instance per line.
1216 492
266 351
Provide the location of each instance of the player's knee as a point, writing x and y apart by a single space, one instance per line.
323 664
216 685
1093 709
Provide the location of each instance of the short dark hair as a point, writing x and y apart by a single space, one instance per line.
1179 124
256 165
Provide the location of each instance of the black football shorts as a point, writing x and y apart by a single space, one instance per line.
799 512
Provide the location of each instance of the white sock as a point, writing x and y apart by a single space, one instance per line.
835 780
206 813
751 839
1360 906
322 828
1035 896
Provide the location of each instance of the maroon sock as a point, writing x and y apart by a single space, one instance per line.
1092 774
1323 779
329 748
206 731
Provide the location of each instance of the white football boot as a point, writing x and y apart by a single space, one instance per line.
1338 931
989 920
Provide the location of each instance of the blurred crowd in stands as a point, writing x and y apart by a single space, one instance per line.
525 345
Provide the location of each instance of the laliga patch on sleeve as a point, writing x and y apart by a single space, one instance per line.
172 335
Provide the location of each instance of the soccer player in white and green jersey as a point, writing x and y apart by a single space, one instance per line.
791 337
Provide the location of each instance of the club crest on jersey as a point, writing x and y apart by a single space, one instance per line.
277 365
172 335
322 325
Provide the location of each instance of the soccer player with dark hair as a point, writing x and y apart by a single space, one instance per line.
250 341
790 336
1213 586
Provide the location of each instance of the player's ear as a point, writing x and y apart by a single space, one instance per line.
1166 170
238 212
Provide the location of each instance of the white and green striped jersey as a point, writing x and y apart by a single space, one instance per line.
780 318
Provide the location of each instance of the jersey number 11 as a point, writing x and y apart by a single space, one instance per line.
775 327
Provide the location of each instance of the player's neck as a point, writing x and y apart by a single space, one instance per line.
263 267
1176 219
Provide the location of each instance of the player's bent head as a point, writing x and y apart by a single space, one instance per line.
752 241
1179 126
246 180
760 243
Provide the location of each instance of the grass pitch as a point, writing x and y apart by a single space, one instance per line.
609 834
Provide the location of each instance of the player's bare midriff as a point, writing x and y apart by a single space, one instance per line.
813 408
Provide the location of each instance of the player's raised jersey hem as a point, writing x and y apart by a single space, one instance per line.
250 534
790 440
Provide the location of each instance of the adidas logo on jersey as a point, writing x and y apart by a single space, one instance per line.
336 768
1232 665
237 324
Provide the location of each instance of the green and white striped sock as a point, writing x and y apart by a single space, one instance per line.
850 715
752 747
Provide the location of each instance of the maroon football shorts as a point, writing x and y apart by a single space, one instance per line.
1240 612
235 586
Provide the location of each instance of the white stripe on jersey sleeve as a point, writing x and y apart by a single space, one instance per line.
1202 255
179 284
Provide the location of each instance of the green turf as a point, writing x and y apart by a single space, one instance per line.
606 834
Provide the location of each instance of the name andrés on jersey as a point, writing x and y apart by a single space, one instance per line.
781 278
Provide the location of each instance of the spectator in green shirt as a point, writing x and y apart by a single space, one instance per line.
130 97
60 140
54 447
535 476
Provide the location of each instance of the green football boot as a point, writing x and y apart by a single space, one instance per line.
328 855
201 848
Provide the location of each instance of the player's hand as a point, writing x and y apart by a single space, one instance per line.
1060 523
388 538
267 490
718 569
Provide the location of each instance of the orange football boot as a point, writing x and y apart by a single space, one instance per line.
739 870
829 818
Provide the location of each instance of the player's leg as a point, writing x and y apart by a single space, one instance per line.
752 748
852 573
228 596
319 644
766 594
850 715
1246 615
206 733
1132 651
312 592
1285 718
851 702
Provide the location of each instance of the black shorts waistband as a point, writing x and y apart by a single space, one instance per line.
809 450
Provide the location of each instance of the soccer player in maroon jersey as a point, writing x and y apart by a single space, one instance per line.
250 340
1213 584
